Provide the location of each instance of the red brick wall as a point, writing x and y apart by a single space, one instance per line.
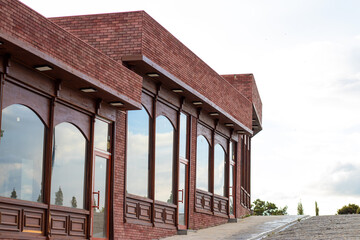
245 83
168 52
30 30
114 34
124 31
192 174
257 101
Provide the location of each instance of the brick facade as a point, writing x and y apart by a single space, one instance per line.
149 38
90 51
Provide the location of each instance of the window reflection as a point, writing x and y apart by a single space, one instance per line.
219 170
100 186
164 160
21 154
138 153
68 166
231 189
183 134
102 138
202 163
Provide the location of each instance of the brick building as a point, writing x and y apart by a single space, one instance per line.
112 129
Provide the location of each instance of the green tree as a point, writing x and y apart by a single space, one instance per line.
349 209
316 209
74 202
59 197
263 208
300 209
13 194
259 207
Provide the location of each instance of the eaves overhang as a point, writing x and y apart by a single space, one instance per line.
17 50
142 65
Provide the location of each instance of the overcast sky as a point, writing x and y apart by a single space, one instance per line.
305 58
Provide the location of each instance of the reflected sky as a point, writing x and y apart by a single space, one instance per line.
68 170
21 153
219 170
182 193
183 138
100 215
164 145
138 153
202 163
231 189
101 138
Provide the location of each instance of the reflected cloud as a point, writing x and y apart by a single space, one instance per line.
164 146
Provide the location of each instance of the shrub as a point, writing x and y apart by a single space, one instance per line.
349 209
316 209
263 208
300 209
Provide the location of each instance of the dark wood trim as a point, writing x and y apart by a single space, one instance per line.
211 164
223 142
165 204
206 131
69 210
65 113
227 175
147 102
189 167
48 166
2 82
15 94
169 113
90 176
152 136
125 161
29 87
23 203
139 198
175 80
176 172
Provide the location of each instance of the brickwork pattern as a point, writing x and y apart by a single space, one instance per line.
245 83
32 30
145 36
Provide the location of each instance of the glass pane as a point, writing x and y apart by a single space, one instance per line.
219 170
100 186
202 163
21 154
68 166
137 153
182 193
183 135
102 138
164 144
231 189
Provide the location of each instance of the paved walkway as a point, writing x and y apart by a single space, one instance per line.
344 227
254 227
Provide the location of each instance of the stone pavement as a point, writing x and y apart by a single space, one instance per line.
254 227
336 227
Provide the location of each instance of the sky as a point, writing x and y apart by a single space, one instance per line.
304 55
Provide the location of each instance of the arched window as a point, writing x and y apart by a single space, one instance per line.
202 163
137 172
219 170
21 154
164 147
68 166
